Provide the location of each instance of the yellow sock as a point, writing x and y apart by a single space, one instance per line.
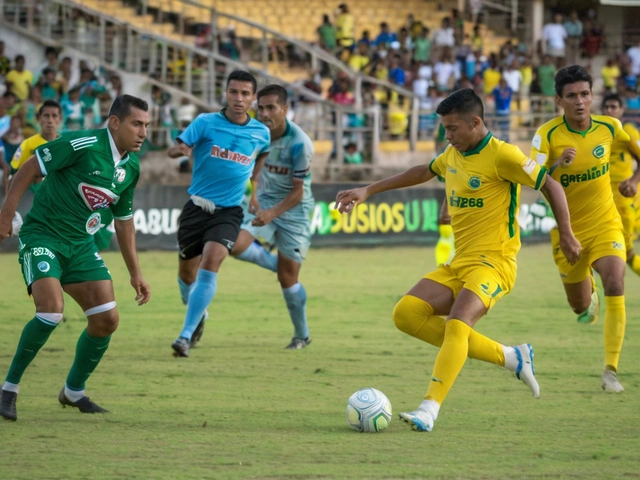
615 319
415 317
444 247
450 360
634 263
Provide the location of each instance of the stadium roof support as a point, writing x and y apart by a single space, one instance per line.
621 3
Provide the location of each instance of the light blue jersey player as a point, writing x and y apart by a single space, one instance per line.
227 147
282 206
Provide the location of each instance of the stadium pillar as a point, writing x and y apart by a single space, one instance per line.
537 18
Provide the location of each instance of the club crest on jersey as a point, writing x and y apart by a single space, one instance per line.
474 183
120 174
44 267
226 154
96 198
93 224
598 152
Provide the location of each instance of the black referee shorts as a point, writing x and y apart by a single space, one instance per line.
197 227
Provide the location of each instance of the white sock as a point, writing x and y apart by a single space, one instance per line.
430 406
10 387
73 395
510 358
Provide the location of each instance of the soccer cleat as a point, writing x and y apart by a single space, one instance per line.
590 316
525 370
181 347
298 343
420 420
610 382
197 334
8 405
85 404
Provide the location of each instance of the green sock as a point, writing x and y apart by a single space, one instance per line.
34 335
89 351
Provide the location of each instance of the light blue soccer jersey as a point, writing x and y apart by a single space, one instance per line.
224 154
290 158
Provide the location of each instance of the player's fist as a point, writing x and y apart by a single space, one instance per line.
568 155
628 188
571 248
6 227
347 200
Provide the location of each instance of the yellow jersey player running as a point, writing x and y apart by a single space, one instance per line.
624 184
576 149
482 175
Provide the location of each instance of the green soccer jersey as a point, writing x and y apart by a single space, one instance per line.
84 178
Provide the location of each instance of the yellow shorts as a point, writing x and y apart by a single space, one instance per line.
627 212
606 243
489 276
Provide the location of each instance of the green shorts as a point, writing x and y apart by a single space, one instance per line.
44 257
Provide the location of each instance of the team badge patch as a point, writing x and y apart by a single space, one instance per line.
44 267
96 198
93 224
120 174
474 183
598 152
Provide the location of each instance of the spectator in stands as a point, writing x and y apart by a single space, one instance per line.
526 70
491 75
546 76
446 72
366 39
610 73
68 74
327 34
340 92
229 45
345 28
444 37
51 61
476 10
5 63
30 109
458 26
114 87
513 77
11 103
554 36
420 85
161 115
396 72
13 138
634 57
406 43
385 37
631 99
19 80
574 29
422 46
593 38
351 154
72 109
91 91
502 96
360 59
5 124
476 39
51 88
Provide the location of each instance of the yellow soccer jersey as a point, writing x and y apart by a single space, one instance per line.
25 150
586 181
482 194
621 160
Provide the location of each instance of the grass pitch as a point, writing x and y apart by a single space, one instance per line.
243 407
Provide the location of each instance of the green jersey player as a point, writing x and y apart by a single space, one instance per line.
88 174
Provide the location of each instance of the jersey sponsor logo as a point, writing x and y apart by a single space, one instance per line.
120 174
96 198
230 155
617 246
38 251
474 183
95 172
464 202
592 174
599 151
46 155
486 289
279 170
17 155
44 267
93 223
228 243
529 166
82 142
451 170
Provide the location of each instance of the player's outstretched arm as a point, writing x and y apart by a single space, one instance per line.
569 244
180 149
28 173
264 217
347 200
125 231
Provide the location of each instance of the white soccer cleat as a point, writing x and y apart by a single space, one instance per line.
591 315
610 382
525 370
422 419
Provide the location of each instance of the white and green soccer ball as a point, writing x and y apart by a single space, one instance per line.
368 410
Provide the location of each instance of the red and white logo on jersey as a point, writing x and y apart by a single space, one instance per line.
96 198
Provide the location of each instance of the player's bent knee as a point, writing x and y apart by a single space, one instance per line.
103 318
409 313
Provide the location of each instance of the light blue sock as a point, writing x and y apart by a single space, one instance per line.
260 256
203 292
185 290
296 300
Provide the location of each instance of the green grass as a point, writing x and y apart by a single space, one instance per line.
242 407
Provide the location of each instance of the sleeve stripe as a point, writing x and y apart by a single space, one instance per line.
43 169
126 217
541 175
431 167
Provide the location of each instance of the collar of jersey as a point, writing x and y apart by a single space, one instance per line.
288 129
584 133
223 111
478 147
117 159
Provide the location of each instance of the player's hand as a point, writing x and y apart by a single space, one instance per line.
5 227
347 200
567 157
143 292
571 248
254 206
263 217
628 189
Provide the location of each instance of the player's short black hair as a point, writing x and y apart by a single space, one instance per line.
19 57
277 90
463 102
121 106
50 104
243 76
571 74
612 97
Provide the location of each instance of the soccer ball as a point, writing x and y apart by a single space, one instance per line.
368 410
